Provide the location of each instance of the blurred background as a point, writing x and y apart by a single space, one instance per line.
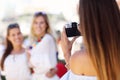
59 12
21 11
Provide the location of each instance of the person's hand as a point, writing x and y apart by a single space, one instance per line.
66 45
51 72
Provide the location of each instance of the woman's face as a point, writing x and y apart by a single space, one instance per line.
39 26
15 37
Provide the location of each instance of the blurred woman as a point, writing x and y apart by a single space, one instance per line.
43 54
100 28
14 62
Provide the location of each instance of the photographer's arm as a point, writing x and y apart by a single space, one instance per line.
66 47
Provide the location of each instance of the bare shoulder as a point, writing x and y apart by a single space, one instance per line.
80 63
79 55
78 58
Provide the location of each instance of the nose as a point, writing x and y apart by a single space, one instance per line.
17 36
38 25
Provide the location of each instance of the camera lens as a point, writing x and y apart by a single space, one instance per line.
74 24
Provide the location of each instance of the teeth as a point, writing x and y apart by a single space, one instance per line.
17 40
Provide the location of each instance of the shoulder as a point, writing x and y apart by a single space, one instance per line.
79 53
79 57
80 63
48 37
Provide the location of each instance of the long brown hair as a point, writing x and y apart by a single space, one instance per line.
9 46
100 26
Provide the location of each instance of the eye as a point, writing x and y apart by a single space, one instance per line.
42 22
13 35
19 33
35 23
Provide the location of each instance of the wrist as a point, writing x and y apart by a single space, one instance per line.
67 57
67 66
67 54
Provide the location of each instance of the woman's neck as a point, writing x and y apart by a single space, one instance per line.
39 37
18 49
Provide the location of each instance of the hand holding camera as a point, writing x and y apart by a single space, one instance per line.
72 29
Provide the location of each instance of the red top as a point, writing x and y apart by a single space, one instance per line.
61 69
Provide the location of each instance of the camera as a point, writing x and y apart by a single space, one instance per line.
72 29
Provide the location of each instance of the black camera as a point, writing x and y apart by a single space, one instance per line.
72 29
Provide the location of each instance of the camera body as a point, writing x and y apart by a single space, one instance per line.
72 29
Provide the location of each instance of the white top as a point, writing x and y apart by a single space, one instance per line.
16 67
43 55
71 76
2 47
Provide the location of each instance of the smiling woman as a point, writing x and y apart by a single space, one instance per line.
14 60
42 49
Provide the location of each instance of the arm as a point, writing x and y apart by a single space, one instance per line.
28 58
52 57
52 53
66 47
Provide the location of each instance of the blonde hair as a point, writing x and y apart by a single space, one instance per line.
33 37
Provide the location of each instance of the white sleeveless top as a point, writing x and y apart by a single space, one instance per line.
16 67
71 76
43 58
